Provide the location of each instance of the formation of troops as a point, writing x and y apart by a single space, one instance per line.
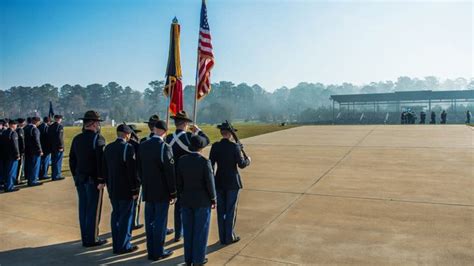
409 117
28 147
162 170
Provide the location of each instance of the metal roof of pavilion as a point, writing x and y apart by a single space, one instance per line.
405 96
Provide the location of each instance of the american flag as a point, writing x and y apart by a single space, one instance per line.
205 56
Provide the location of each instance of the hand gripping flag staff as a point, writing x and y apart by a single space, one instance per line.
174 86
205 59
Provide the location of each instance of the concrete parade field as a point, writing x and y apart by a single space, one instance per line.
364 195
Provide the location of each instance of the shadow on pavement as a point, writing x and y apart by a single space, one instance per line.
72 253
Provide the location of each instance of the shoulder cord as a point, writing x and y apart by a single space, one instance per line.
179 142
125 153
95 140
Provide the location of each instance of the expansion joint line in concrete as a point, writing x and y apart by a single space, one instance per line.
391 200
339 161
269 260
363 147
299 197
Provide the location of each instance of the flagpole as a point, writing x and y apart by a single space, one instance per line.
196 88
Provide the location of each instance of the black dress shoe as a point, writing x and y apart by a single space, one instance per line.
100 242
130 250
35 184
44 178
169 231
12 190
177 239
167 253
236 239
138 226
59 178
204 262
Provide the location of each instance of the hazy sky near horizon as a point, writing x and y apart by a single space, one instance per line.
270 43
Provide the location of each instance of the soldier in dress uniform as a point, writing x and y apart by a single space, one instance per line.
123 185
408 117
33 152
444 117
151 122
179 141
56 142
433 118
422 117
21 147
228 156
10 156
157 170
197 190
85 162
468 117
135 142
45 145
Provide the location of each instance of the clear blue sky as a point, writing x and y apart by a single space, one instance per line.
271 43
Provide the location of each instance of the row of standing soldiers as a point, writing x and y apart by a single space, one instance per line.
409 117
161 170
30 147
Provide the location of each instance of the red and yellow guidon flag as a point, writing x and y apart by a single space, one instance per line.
174 86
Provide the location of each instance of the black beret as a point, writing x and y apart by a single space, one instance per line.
153 119
197 142
124 128
161 125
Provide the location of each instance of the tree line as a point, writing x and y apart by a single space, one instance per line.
226 100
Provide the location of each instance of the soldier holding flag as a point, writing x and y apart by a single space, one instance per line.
180 141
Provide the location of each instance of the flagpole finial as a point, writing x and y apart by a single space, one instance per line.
175 20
